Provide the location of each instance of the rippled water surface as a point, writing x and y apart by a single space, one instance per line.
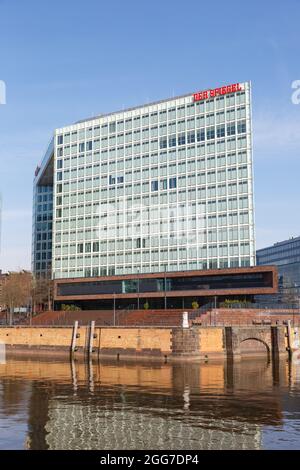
251 404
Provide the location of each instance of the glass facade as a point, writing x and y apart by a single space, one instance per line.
221 282
43 229
161 187
285 255
43 217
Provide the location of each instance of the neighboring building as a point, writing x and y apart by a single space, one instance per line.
42 216
286 256
159 188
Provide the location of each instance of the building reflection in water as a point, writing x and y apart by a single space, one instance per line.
149 406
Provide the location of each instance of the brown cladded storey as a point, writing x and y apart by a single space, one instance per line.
270 275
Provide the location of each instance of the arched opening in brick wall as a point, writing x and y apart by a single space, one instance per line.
253 347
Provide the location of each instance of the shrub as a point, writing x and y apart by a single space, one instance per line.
70 308
229 303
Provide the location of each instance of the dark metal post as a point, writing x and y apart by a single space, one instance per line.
114 309
138 287
165 288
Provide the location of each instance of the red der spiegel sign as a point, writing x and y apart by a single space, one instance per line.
204 95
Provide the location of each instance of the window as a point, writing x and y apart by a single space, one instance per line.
200 135
181 111
172 183
154 185
163 115
190 137
231 128
95 246
241 127
172 141
153 118
220 131
181 139
164 184
210 133
163 143
112 127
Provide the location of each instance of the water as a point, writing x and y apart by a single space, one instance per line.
52 404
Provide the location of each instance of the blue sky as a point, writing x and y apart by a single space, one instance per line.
66 60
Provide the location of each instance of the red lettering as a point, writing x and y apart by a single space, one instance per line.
204 95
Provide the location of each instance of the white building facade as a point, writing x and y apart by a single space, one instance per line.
167 186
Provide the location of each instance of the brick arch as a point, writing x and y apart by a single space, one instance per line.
261 335
253 347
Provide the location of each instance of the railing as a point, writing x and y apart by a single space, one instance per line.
117 318
200 311
259 306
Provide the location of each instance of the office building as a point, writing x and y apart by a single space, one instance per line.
286 256
166 187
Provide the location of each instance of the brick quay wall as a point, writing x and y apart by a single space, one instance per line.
162 343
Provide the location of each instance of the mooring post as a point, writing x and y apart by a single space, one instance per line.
91 338
293 340
74 337
289 337
2 353
185 320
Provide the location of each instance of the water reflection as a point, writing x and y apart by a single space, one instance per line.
114 405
